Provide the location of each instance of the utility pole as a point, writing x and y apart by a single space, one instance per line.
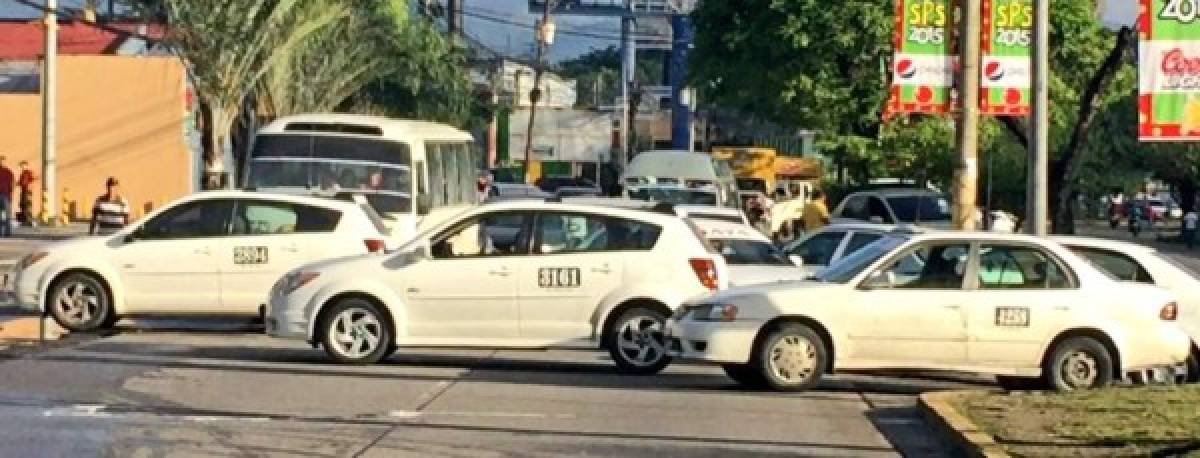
545 37
454 17
1037 194
628 64
967 173
50 115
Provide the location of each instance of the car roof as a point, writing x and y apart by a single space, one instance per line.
316 201
1107 244
601 205
670 163
403 129
858 227
715 229
896 192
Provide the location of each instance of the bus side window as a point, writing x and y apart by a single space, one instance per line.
420 171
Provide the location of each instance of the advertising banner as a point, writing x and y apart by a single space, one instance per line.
923 67
1004 88
1169 70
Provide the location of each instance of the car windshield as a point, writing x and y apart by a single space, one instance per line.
750 252
674 196
845 269
912 209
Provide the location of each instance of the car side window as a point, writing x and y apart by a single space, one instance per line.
493 234
877 210
574 232
1019 267
261 217
818 250
1116 264
859 240
204 218
930 266
856 208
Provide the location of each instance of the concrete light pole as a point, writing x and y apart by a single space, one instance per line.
1037 194
966 176
50 116
545 37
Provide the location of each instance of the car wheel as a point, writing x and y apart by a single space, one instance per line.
1010 383
1079 363
79 302
745 374
792 358
636 342
355 332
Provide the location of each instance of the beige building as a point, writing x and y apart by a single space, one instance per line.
117 116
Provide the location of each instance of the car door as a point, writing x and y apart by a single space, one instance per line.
170 264
468 287
577 259
1024 292
268 238
913 308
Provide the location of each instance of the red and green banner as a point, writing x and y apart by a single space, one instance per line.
1004 88
1169 70
924 64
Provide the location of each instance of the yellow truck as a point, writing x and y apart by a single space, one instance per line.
764 170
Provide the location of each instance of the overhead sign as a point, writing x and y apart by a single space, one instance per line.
1169 70
1006 68
923 67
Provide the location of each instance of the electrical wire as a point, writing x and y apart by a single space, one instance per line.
566 31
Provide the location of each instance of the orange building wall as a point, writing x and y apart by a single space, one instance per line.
117 116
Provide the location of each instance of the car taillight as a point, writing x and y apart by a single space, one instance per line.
375 245
1169 312
706 272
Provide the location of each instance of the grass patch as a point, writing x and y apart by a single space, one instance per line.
1123 421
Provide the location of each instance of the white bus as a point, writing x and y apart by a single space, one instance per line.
415 173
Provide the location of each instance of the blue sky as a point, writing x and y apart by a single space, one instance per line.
503 38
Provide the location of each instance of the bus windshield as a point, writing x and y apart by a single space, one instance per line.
675 196
379 169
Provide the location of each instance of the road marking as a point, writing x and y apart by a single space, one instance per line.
410 414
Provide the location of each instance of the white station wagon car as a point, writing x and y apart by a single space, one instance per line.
825 246
513 274
211 253
1009 305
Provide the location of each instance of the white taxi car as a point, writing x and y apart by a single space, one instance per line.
211 253
512 274
1002 304
751 256
1127 261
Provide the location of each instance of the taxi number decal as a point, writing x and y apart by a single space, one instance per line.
1012 316
558 277
249 255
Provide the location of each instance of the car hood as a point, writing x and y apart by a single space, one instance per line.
775 289
745 275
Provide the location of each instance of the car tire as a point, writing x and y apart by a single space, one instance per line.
79 302
354 331
745 375
792 357
1079 363
636 343
1010 383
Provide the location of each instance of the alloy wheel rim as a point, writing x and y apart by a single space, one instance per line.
1079 370
640 341
356 333
793 359
78 303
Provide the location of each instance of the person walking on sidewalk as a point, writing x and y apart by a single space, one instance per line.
6 192
1190 221
111 211
25 181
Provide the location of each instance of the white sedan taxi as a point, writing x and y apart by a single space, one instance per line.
1010 305
510 274
751 256
211 253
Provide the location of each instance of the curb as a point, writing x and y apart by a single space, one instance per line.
937 408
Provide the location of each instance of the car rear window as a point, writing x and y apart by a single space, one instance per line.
741 252
708 246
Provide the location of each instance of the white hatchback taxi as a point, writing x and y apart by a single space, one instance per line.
512 274
1015 306
211 253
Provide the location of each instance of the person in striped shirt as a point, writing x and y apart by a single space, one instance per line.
111 211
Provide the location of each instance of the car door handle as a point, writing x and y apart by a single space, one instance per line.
500 272
602 270
290 248
952 307
204 251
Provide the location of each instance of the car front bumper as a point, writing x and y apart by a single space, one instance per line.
712 341
286 317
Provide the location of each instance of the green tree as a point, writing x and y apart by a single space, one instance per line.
597 74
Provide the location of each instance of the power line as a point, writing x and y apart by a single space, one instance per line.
654 38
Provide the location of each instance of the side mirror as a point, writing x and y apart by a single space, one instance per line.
424 204
796 259
878 280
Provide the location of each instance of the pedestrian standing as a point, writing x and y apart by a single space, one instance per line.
6 191
816 214
111 211
25 181
1190 221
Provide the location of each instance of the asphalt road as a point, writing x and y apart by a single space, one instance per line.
153 393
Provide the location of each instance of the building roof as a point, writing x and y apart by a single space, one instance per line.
25 40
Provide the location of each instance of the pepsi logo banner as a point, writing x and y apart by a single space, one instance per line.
1169 70
924 64
1004 88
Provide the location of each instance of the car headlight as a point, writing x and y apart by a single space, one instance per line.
715 312
294 281
30 259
